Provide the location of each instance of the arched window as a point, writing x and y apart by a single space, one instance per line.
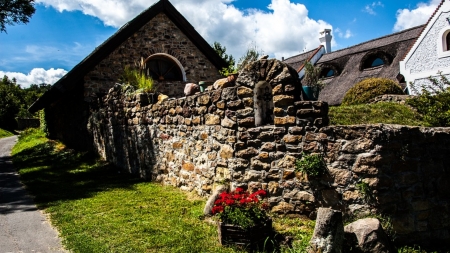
447 40
263 100
328 71
377 62
374 60
163 68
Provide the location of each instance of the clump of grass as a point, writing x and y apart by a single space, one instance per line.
138 79
299 229
4 133
383 112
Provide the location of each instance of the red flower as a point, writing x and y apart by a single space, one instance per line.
217 209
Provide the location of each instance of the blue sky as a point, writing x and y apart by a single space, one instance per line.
63 32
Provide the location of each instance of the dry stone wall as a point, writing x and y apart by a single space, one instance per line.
208 139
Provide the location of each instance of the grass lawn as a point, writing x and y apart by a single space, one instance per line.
4 133
98 209
384 112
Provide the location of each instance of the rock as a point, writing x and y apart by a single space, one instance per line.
370 236
162 98
328 234
191 89
222 83
210 203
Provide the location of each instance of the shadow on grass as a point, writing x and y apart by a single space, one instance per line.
52 176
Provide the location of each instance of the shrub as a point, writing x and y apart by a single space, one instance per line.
434 103
370 88
311 164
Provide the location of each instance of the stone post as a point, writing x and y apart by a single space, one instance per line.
328 234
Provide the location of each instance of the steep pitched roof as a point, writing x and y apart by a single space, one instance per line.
424 28
297 61
68 81
349 63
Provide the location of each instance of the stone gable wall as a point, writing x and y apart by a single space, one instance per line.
160 35
198 142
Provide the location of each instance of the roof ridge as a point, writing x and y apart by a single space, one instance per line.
301 54
309 58
379 38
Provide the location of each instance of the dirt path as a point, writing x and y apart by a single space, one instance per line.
23 228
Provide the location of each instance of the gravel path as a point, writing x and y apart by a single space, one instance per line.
23 228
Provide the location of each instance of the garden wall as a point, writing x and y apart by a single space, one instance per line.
200 141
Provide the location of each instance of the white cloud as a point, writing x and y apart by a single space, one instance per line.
346 35
370 8
284 29
36 76
407 18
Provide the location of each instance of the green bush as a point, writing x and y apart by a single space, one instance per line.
370 88
434 105
311 164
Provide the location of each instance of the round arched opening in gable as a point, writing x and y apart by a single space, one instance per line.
164 67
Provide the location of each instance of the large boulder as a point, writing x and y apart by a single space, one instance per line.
367 235
328 234
222 83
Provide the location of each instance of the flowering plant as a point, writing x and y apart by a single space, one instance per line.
241 208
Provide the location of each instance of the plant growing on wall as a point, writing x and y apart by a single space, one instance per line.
311 164
137 78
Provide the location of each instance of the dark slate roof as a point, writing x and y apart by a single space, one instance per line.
73 77
347 62
297 61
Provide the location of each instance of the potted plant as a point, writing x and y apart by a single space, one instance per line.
311 81
243 219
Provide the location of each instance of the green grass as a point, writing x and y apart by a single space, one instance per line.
4 133
384 112
97 209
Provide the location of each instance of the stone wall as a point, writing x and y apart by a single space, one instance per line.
160 35
211 138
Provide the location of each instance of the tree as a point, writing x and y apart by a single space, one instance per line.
229 59
15 11
10 103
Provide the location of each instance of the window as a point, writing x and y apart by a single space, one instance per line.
328 71
377 62
447 40
376 59
162 68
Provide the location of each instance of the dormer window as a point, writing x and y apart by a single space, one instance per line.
327 71
374 60
377 62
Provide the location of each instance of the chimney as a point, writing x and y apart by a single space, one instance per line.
325 40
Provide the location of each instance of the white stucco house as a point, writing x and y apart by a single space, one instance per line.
430 53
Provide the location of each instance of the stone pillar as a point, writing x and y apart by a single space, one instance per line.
328 234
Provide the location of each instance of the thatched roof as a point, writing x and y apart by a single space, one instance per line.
73 77
350 64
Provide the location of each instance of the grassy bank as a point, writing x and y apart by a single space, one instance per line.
387 113
98 209
4 133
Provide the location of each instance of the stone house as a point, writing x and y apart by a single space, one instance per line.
174 54
430 53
